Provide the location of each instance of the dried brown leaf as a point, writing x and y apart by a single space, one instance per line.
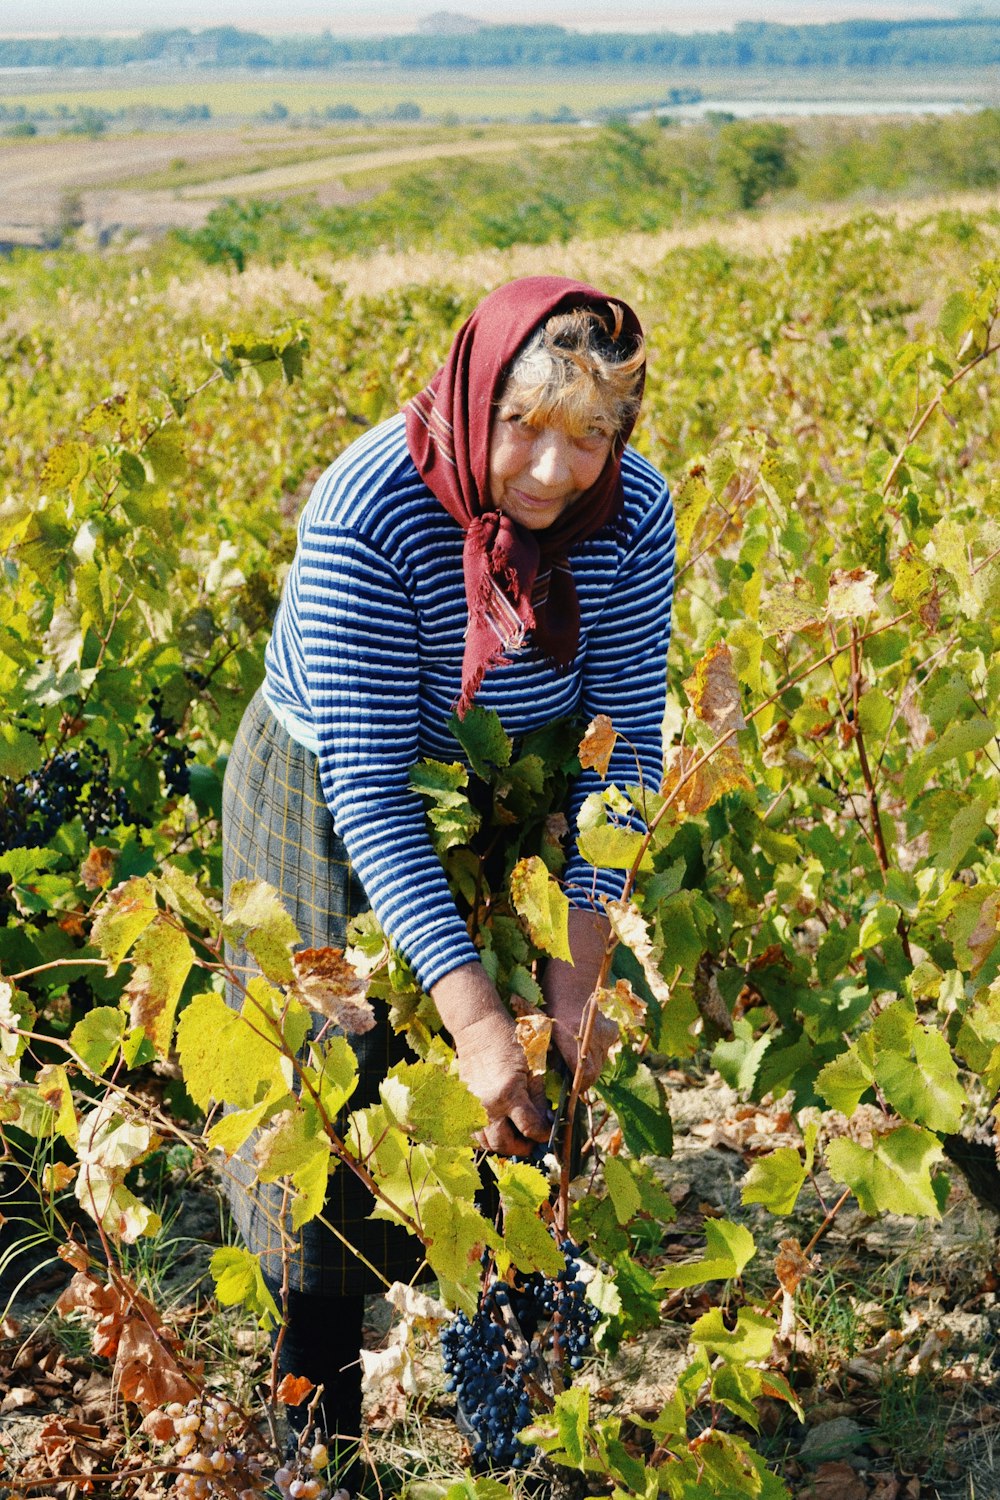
97 870
327 983
57 1176
597 745
294 1389
147 1369
714 692
534 1032
791 1266
18 1396
837 1481
695 783
623 1006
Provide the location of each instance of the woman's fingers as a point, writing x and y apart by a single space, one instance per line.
491 1063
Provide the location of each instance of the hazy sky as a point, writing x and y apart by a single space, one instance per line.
360 16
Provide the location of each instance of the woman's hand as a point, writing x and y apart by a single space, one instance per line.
567 989
491 1061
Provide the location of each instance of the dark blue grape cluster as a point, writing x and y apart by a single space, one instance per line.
490 1391
72 783
517 1331
175 756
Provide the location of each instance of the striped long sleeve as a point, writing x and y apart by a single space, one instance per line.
364 667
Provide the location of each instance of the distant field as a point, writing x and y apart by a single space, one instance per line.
470 95
153 180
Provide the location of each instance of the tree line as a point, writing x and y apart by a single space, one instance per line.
971 41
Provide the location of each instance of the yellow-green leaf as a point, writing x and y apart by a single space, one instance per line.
223 1057
239 1281
543 905
728 1248
893 1176
163 957
125 914
257 919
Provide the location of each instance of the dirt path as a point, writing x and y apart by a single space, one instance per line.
38 177
339 165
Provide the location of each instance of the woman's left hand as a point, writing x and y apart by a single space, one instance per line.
568 988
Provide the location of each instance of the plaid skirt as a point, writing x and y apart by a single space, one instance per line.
277 827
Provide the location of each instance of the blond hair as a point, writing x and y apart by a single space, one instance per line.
579 372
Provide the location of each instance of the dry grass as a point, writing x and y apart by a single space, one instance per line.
600 260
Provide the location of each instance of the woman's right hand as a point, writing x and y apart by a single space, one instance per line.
491 1061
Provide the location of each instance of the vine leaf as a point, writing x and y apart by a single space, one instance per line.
125 914
483 738
697 787
623 1191
728 1248
481 1487
543 905
163 957
20 752
431 1104
111 1143
239 1281
222 1056
456 1235
565 1430
844 1080
714 692
17 1014
98 867
181 893
629 927
452 817
750 1339
925 1087
776 1180
235 1126
852 594
611 848
520 1184
597 745
892 1176
328 983
641 1107
257 919
97 1037
528 1245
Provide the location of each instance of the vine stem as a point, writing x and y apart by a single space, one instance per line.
919 423
871 794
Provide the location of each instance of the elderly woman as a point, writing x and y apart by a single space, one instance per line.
496 541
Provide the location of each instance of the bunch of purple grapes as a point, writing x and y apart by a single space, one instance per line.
519 1333
73 783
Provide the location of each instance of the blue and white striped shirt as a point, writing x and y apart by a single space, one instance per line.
365 663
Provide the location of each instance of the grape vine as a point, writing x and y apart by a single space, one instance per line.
811 911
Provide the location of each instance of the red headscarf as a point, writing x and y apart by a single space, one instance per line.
448 427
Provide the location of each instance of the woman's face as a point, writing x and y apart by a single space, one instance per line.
537 472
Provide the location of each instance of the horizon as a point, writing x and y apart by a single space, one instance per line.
53 18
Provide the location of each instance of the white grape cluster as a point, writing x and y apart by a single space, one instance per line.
220 1459
299 1481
